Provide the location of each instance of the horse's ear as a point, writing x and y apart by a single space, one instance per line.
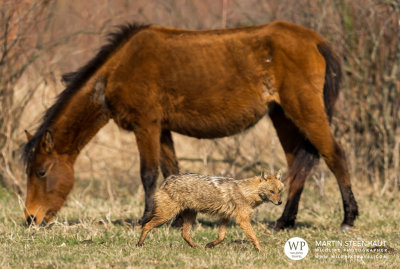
28 135
47 141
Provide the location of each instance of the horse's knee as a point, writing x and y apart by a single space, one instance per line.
149 179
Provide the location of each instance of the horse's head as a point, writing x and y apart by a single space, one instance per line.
50 179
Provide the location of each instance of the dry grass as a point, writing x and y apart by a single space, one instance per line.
96 232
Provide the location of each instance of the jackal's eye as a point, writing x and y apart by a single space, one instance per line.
272 192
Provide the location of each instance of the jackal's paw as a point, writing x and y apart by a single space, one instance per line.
210 245
260 249
346 227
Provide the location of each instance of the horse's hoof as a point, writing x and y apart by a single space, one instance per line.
275 227
279 226
346 227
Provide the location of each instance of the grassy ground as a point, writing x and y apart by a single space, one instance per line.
94 232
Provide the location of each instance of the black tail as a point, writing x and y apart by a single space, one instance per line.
333 76
306 155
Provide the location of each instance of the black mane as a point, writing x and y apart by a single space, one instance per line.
75 80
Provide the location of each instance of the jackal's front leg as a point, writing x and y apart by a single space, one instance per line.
244 222
159 216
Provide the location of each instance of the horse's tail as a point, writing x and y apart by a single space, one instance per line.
333 75
306 155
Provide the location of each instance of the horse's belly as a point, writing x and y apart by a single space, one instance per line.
218 101
207 119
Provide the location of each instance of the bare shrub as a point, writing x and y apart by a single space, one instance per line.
19 50
369 111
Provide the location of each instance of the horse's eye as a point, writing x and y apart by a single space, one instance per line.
41 174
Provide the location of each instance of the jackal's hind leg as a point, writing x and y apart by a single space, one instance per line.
188 216
221 234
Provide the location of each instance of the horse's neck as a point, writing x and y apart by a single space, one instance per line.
84 115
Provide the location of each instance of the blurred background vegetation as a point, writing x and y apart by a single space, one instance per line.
40 40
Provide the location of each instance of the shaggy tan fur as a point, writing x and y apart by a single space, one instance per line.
224 197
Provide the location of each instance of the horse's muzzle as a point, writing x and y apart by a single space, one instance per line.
31 220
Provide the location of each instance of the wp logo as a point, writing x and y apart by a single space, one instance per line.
296 248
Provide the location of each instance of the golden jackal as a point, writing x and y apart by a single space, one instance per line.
225 197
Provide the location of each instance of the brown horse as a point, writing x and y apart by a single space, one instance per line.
206 84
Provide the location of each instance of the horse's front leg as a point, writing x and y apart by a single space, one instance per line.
168 160
148 142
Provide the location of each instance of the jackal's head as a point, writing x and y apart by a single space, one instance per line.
270 188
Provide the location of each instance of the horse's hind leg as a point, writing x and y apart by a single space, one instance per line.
307 111
300 159
148 142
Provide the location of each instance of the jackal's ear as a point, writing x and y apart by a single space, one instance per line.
278 175
28 135
263 175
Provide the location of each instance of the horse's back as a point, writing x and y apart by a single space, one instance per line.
210 83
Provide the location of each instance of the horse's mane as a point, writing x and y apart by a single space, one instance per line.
74 82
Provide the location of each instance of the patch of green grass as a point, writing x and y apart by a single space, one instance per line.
5 194
95 232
